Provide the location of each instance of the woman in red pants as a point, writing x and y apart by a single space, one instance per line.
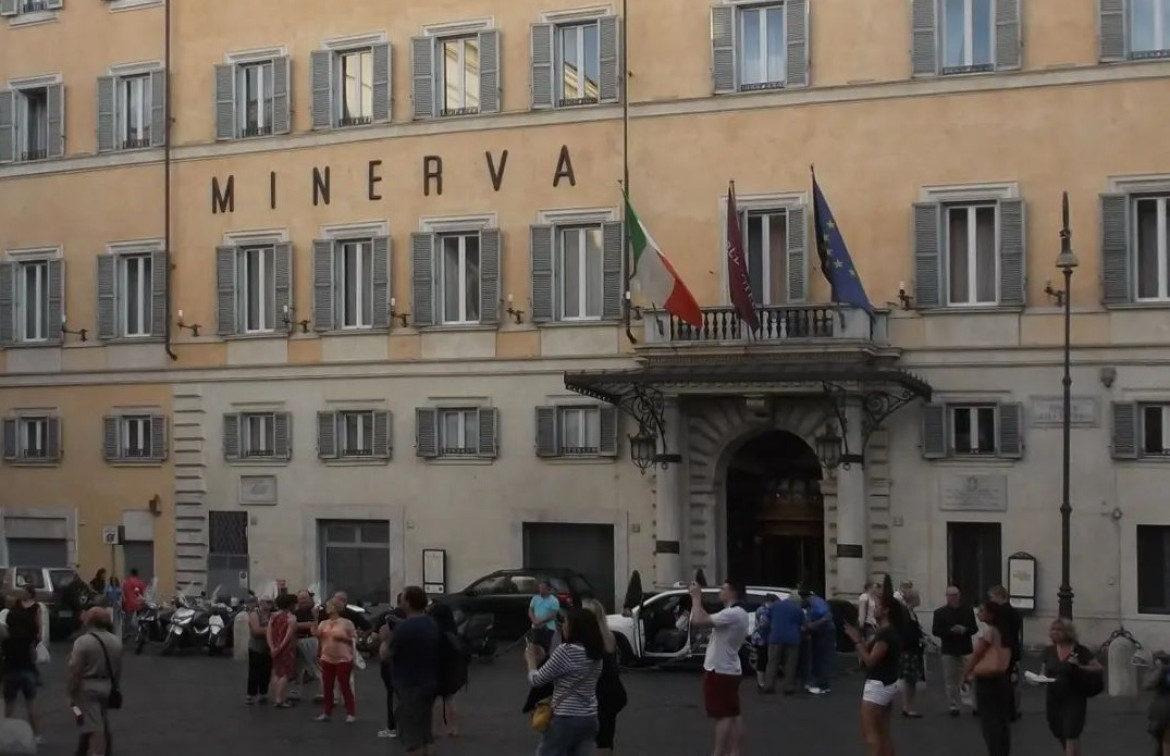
336 636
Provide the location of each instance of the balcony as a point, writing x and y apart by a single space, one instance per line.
795 325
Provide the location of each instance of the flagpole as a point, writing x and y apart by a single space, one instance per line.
626 169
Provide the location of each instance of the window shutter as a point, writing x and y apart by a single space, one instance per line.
723 48
1116 262
489 71
924 31
934 431
381 53
321 76
422 50
1008 40
1112 30
53 438
489 418
111 449
106 99
160 263
56 303
1011 430
542 65
55 145
547 440
797 257
541 263
489 276
927 268
609 35
327 435
1013 289
231 436
7 311
158 108
1124 431
323 308
10 449
7 7
380 272
281 106
796 32
383 434
282 435
225 101
426 432
281 285
613 284
158 437
107 268
225 290
7 132
608 423
422 260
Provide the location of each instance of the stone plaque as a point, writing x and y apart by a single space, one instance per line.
1048 411
974 493
258 489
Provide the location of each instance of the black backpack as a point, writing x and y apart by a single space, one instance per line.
454 660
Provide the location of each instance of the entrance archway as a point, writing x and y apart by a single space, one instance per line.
775 513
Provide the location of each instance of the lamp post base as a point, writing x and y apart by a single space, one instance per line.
1065 601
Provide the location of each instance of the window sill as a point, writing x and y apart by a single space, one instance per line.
55 344
593 459
458 327
274 335
988 461
33 19
355 461
120 340
126 5
579 324
33 462
135 462
1145 305
1149 459
971 310
363 331
257 461
457 461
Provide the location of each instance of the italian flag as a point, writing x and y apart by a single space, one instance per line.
655 278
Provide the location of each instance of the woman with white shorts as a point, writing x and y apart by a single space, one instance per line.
881 658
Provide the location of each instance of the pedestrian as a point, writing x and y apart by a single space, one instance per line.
113 594
308 649
722 669
385 631
881 659
913 662
573 669
414 663
259 655
1014 628
336 636
133 590
454 661
866 603
99 581
1158 714
990 668
20 659
281 637
785 634
93 686
954 625
760 639
1077 676
822 635
543 610
611 693
361 626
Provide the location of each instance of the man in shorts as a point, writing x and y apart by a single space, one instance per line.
722 670
414 670
96 654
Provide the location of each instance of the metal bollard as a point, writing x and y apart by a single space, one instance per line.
1123 676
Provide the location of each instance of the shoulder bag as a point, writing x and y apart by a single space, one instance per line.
994 662
542 713
115 699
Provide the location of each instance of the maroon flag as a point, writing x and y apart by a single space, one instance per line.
737 272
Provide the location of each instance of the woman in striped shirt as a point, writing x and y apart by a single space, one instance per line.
573 668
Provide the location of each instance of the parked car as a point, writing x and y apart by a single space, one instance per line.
505 595
51 584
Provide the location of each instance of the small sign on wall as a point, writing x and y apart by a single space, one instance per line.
110 535
973 493
1048 411
1022 581
435 571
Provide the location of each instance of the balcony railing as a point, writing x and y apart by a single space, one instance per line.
794 323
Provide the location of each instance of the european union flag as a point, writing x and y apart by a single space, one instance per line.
836 263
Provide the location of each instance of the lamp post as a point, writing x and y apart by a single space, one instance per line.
1066 262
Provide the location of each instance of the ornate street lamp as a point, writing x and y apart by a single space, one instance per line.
829 447
643 450
1066 262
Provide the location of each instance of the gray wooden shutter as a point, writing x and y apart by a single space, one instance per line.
426 432
422 64
609 36
1111 14
225 101
927 255
489 420
608 424
613 284
924 44
7 310
934 431
282 435
797 257
160 263
422 260
9 440
282 262
380 271
327 435
547 439
723 49
158 108
489 71
7 7
231 436
106 105
225 290
111 448
56 300
1010 430
489 276
796 41
381 53
281 105
1116 260
53 439
158 437
541 263
1008 40
7 131
56 122
107 323
324 311
383 434
542 65
1012 268
321 75
1124 430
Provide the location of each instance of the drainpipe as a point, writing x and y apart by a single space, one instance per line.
167 172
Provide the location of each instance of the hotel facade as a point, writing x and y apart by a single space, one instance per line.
294 294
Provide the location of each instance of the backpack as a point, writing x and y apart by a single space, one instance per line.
454 661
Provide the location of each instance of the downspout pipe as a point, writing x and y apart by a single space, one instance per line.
167 173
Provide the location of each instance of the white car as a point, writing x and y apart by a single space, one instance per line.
651 633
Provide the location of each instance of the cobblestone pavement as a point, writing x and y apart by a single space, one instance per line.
193 705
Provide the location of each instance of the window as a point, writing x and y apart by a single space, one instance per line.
576 431
32 6
576 61
355 283
971 254
977 429
135 437
455 71
357 434
354 434
759 46
973 430
458 72
253 285
578 64
258 435
968 35
580 430
257 288
136 286
32 302
134 112
34 437
459 272
765 234
1150 241
1149 28
254 105
31 121
252 96
355 87
351 280
579 267
763 56
350 83
1153 567
1156 430
458 432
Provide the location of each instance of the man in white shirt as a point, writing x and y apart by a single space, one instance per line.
722 669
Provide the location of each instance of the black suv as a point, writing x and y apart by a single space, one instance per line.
505 594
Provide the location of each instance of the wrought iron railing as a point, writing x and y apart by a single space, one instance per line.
777 324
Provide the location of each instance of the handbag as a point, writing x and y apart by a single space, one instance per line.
114 701
542 713
994 662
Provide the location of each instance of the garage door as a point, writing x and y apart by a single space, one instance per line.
38 552
356 559
588 549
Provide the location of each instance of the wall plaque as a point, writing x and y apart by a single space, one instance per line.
973 493
258 489
850 551
1048 411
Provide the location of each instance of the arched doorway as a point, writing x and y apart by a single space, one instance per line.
775 513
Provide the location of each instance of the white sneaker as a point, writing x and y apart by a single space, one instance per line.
387 733
814 690
350 719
